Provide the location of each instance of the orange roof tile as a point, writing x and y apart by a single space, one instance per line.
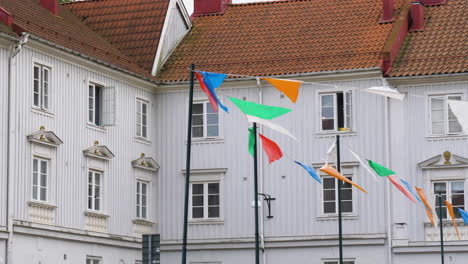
441 48
283 37
68 31
134 27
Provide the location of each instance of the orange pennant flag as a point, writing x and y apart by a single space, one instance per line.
426 204
289 87
452 215
328 169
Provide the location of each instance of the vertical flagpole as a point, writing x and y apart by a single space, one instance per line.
257 236
340 224
441 228
187 165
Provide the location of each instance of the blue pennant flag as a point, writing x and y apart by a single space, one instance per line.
408 186
213 81
464 215
310 170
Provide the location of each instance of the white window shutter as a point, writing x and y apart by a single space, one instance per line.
109 117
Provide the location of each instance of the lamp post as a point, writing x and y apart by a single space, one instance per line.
441 226
340 224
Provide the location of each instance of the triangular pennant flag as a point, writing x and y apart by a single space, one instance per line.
408 186
259 110
464 215
310 170
385 91
211 98
371 172
399 187
251 142
328 169
278 128
272 149
213 81
379 169
289 87
331 154
452 215
428 208
460 110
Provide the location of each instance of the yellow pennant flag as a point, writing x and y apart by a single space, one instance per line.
452 215
426 205
328 169
289 87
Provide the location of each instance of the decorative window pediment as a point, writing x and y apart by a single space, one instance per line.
43 137
146 163
99 152
445 160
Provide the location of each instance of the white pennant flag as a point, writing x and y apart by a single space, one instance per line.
254 119
331 154
363 164
385 91
460 110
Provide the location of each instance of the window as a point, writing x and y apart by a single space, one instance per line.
41 86
205 200
337 262
94 190
453 192
142 119
443 121
336 111
205 122
330 195
39 187
93 260
142 199
94 104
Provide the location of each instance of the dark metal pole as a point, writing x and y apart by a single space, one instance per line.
340 224
441 228
187 165
257 235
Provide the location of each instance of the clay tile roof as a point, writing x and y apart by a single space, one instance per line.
134 27
68 31
283 37
441 48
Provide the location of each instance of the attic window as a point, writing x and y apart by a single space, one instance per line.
336 111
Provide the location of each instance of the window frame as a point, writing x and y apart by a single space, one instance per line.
205 201
93 196
93 121
93 259
39 174
448 196
346 95
139 205
142 101
205 121
446 120
42 92
337 261
336 181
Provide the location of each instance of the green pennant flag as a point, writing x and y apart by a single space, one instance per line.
251 141
379 169
259 110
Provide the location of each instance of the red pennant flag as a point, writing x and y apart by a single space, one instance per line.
399 187
272 150
205 89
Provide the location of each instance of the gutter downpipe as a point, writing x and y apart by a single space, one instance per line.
14 50
262 182
387 190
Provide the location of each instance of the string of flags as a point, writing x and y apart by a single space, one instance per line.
262 114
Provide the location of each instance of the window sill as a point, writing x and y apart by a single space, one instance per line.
142 221
442 137
142 140
335 217
96 214
333 133
215 221
446 223
42 112
44 205
207 140
96 128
